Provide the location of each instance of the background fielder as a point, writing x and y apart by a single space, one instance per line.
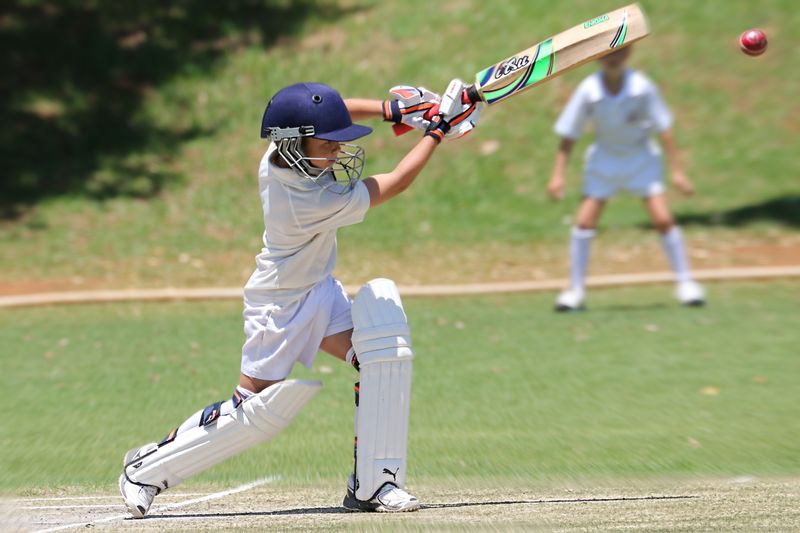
625 109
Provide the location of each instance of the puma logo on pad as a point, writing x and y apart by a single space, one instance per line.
393 474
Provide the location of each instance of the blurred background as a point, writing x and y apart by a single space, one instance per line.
129 146
129 149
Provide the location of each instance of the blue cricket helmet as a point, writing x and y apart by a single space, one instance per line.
311 105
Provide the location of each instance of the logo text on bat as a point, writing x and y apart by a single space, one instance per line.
511 65
594 21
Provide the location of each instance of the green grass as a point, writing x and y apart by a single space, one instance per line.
736 119
504 390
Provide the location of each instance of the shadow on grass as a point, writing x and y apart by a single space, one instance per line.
627 308
781 209
75 75
342 510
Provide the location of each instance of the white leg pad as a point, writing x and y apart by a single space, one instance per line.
259 418
382 342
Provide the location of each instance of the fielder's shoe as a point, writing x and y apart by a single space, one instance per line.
570 300
390 499
137 497
690 293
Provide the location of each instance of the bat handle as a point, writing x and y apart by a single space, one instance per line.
471 95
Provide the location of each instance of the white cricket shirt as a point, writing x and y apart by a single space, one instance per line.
622 123
300 222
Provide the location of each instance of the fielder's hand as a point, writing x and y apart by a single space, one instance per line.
555 188
682 183
407 107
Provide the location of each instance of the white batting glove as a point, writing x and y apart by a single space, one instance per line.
408 106
463 115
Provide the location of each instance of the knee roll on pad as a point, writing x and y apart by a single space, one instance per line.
382 343
257 419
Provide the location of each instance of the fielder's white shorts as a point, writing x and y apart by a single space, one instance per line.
606 173
278 336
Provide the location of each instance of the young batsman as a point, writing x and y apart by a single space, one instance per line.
624 109
309 183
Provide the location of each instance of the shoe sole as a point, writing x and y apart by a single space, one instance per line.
407 509
560 308
354 505
694 303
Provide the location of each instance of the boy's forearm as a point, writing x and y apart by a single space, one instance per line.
562 156
671 150
364 108
385 186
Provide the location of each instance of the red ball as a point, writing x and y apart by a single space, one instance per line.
753 42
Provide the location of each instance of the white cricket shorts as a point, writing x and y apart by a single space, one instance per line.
605 173
278 336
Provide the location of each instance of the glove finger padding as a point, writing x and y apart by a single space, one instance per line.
464 119
409 95
408 105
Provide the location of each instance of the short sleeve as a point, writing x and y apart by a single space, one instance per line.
657 110
572 121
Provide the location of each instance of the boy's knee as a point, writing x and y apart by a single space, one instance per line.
663 225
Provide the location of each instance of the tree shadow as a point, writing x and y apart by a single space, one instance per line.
75 76
781 209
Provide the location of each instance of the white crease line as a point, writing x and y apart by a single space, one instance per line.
82 506
169 506
57 507
97 497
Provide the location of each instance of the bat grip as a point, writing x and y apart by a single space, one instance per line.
470 95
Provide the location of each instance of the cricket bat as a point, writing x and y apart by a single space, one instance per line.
552 57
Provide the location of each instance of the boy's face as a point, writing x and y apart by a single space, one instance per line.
614 62
318 148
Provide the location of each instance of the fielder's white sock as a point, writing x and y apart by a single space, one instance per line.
579 249
672 241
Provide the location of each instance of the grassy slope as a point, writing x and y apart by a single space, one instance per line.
737 118
504 389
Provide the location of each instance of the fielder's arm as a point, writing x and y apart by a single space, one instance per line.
679 178
555 188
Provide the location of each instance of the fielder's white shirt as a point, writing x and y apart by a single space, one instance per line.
623 123
300 220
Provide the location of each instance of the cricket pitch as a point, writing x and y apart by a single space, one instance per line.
743 503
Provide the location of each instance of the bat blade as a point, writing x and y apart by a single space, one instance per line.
559 54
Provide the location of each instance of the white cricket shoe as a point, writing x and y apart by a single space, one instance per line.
690 293
389 499
138 498
570 300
